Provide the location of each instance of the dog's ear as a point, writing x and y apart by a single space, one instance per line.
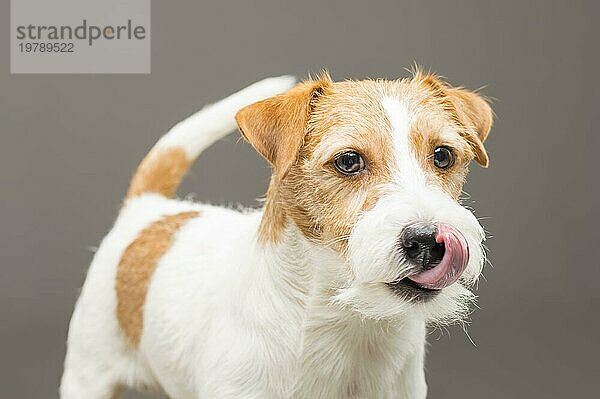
475 113
276 126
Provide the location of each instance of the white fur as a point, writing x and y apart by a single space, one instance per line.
408 173
214 121
226 317
372 244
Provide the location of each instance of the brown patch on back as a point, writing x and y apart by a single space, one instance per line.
160 172
136 268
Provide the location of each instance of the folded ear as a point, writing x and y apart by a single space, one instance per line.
475 112
276 126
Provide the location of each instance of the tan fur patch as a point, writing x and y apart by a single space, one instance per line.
466 108
427 134
276 128
136 268
321 202
160 172
349 116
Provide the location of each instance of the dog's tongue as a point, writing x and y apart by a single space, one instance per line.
454 262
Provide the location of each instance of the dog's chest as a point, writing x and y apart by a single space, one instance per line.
354 358
248 322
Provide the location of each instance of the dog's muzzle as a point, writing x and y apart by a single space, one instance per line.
439 252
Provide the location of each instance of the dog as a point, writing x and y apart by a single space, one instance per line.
324 292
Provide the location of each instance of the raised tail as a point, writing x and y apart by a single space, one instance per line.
162 170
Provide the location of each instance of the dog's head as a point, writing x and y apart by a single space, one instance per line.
374 170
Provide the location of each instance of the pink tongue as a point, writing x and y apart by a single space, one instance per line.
454 262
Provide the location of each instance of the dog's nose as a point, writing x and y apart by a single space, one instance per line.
419 244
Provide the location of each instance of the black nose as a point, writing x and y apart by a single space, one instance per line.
419 245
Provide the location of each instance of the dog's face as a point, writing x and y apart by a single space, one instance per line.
373 170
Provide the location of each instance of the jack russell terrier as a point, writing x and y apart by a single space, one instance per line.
327 290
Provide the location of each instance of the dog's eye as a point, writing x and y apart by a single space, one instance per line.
443 157
349 163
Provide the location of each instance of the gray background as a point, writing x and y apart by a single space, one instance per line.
70 143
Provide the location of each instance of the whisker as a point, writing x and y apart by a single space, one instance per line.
464 328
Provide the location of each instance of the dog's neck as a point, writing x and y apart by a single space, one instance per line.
338 351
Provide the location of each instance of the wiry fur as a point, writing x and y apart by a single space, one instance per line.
290 301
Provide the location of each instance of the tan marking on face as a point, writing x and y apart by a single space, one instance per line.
468 109
433 130
160 172
349 116
136 268
276 128
451 117
323 203
476 116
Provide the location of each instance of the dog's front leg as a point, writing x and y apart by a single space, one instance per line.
411 382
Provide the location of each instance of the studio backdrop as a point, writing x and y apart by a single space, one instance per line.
71 141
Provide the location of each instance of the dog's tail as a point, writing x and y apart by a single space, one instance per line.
163 168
